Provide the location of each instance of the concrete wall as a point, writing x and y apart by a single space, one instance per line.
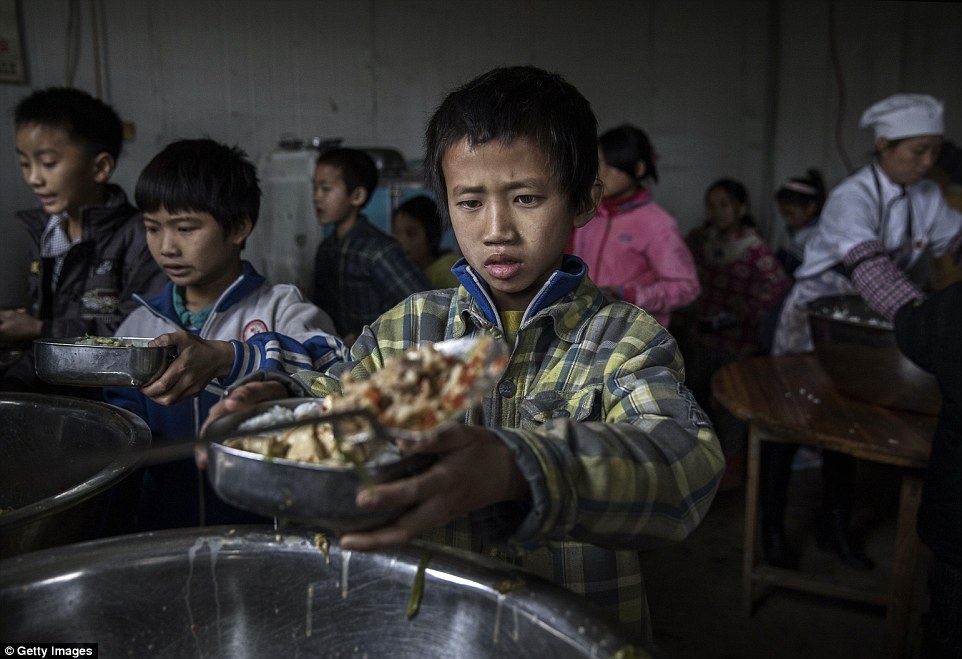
741 88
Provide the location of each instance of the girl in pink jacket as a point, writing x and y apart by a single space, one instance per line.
632 246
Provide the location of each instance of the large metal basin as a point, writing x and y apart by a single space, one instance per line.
256 592
59 457
857 349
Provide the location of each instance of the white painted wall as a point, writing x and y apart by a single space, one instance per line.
741 88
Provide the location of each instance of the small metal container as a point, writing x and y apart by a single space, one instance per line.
389 162
314 494
68 362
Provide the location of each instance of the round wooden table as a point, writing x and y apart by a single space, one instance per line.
790 399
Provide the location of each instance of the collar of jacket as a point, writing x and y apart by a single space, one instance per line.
569 283
612 207
115 211
163 304
361 226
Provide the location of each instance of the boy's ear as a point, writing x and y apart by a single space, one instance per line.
358 196
597 192
103 165
242 231
640 170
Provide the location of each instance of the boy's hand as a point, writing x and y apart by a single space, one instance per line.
237 400
474 469
17 327
198 362
243 398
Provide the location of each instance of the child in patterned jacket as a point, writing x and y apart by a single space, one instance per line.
589 448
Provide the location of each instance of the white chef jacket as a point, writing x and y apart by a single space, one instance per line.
869 206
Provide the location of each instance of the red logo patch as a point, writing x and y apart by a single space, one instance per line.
253 328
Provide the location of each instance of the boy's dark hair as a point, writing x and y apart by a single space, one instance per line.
736 191
803 190
423 209
624 146
357 169
519 102
203 176
87 120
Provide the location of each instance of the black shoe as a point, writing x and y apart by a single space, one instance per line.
833 536
777 551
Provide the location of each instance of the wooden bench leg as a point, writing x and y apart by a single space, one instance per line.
751 518
904 566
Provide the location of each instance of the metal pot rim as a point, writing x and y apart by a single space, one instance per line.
140 437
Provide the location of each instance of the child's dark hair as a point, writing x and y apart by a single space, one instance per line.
518 102
803 190
203 176
624 146
87 120
423 209
736 191
357 169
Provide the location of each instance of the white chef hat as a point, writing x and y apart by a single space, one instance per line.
904 115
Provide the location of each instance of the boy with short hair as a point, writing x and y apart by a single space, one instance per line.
200 201
590 448
359 271
88 255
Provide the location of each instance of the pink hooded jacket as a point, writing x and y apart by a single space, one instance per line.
635 247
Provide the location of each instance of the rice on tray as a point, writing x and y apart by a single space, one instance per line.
415 391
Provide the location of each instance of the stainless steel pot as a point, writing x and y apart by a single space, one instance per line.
857 349
51 491
262 593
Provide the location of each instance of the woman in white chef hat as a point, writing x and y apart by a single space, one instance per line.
878 232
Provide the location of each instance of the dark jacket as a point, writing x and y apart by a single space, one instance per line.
362 275
99 277
929 334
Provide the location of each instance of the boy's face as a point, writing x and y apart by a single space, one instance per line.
333 204
509 215
194 252
60 172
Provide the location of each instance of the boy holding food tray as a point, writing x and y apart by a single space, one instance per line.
87 254
589 448
200 200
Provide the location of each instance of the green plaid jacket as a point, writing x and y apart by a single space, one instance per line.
618 455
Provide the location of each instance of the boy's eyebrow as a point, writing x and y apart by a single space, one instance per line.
513 185
183 216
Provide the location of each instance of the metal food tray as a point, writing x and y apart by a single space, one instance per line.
68 362
308 493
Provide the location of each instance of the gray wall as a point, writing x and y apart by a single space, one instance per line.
741 88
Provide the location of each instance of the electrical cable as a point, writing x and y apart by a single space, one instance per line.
95 37
71 44
840 85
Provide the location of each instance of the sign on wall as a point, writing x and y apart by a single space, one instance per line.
11 48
